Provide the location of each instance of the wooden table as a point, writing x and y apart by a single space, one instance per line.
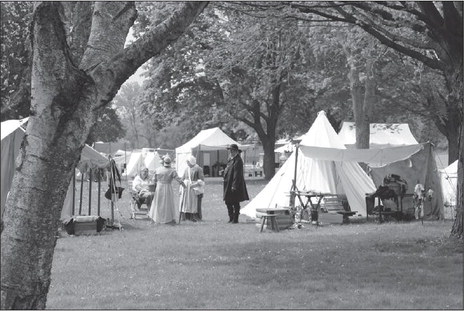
315 206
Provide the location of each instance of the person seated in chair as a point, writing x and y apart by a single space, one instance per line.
141 186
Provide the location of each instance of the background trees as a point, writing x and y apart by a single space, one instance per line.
16 59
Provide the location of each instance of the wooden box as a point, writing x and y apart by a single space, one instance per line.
84 225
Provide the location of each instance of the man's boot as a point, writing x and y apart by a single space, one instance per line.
231 213
236 214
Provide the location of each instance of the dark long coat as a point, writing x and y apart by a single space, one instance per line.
234 178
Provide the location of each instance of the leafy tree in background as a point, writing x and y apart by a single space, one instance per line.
128 102
233 66
16 60
73 81
430 32
108 127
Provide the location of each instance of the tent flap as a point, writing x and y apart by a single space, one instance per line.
373 157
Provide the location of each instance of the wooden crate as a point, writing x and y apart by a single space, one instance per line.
84 225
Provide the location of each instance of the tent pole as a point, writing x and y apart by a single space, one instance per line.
74 193
82 190
292 193
99 192
125 159
90 192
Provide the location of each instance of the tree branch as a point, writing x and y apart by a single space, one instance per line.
108 33
432 63
125 63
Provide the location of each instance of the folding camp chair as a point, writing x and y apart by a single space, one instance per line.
138 207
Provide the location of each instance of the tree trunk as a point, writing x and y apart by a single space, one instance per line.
65 103
269 157
55 135
456 81
457 230
356 90
362 105
452 135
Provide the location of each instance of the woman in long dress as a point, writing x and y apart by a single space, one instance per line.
193 193
163 210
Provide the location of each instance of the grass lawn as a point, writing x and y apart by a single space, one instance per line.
216 265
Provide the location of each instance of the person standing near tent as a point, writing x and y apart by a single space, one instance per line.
141 185
235 190
419 193
163 210
193 193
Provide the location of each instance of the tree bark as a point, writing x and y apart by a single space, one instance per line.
269 158
457 229
54 138
65 102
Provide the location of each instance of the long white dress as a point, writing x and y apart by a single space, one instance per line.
163 209
193 179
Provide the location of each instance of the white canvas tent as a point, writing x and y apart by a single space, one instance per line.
394 150
381 135
335 177
135 162
449 185
146 157
12 135
152 161
213 139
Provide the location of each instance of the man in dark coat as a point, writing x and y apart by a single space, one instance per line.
235 190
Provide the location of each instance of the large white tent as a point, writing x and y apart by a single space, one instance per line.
381 135
326 176
205 141
12 135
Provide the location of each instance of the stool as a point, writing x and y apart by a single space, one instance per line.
272 218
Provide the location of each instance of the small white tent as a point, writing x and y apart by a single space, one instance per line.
152 161
382 135
449 185
135 163
147 157
335 177
205 141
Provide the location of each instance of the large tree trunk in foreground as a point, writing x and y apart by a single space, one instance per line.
65 102
54 139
